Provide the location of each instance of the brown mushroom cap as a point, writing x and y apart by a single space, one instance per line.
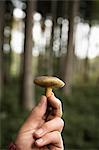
48 81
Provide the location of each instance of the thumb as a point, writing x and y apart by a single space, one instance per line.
41 108
35 116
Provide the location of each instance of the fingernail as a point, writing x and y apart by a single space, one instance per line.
39 141
39 132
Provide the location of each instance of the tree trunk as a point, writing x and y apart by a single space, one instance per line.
50 48
2 12
54 9
27 101
7 40
73 9
86 70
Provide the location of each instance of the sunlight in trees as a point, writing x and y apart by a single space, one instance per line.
42 38
37 34
94 42
18 13
48 30
82 41
37 16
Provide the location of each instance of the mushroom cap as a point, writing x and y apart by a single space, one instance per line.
49 81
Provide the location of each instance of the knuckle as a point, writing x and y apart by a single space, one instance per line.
35 110
45 127
58 134
61 113
36 113
59 103
61 123
60 120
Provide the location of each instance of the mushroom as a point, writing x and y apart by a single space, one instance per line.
48 82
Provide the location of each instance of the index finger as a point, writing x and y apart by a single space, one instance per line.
56 105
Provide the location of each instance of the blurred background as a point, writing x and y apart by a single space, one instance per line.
50 37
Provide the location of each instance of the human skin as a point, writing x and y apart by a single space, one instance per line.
42 131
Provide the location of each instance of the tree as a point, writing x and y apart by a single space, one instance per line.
2 12
91 17
27 93
73 9
49 48
7 40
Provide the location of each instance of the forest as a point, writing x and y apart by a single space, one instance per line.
55 38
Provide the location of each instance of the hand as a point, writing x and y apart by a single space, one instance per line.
42 130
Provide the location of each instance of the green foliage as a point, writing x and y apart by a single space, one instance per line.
11 115
81 115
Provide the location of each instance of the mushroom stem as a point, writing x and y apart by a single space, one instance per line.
48 91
